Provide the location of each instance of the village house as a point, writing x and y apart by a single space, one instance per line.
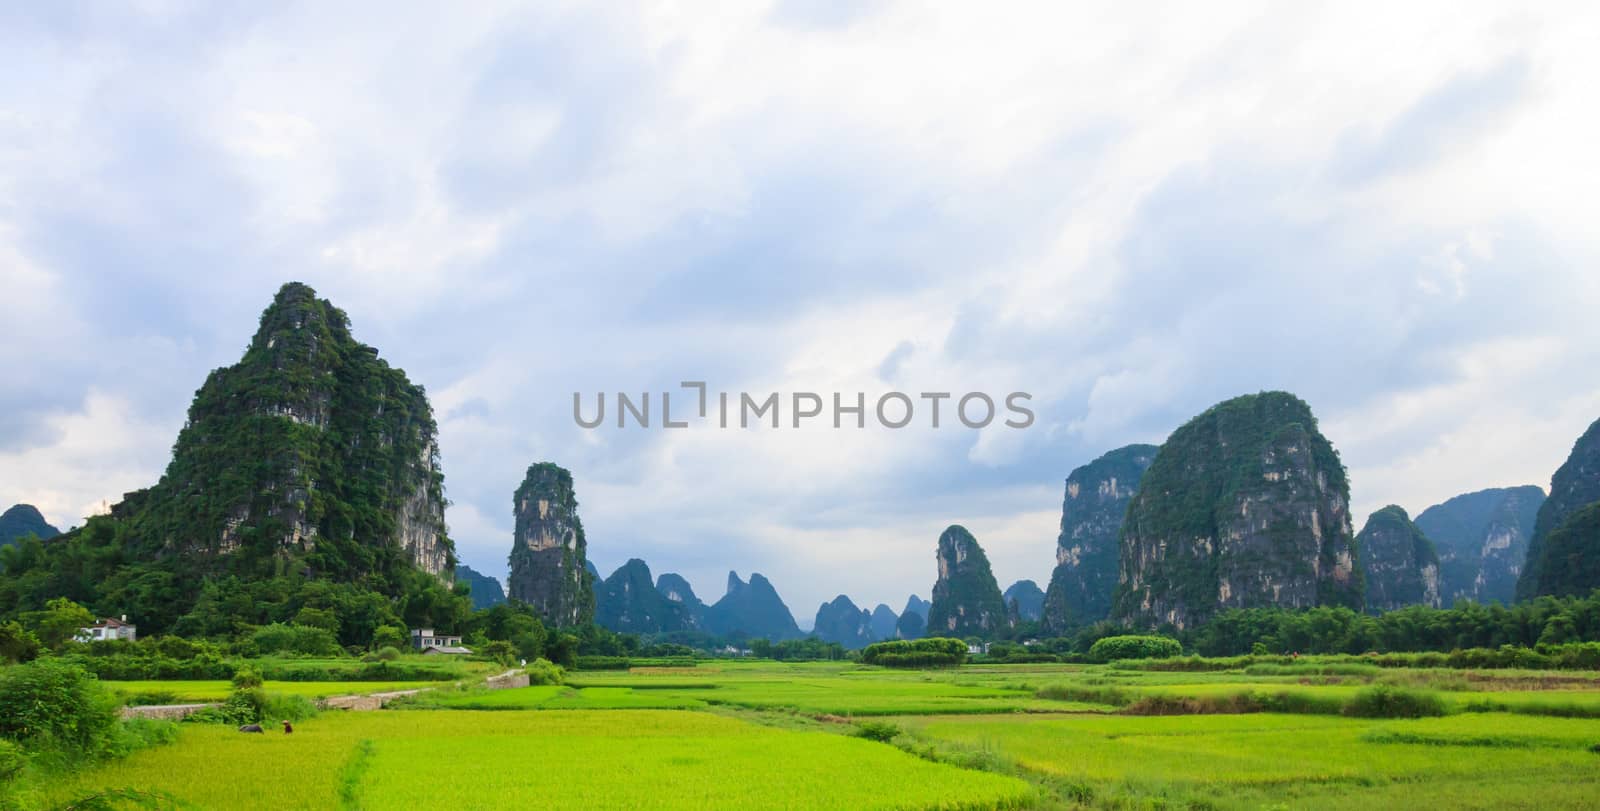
109 628
423 639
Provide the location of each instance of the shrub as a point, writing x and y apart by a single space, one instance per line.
48 704
880 731
388 653
1385 701
246 678
499 651
543 671
17 644
1113 648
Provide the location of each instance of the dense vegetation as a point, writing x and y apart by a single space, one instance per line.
1113 648
1547 620
916 653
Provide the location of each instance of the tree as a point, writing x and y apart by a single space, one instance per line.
389 636
500 651
16 644
59 623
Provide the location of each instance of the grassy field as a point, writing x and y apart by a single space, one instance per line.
745 734
551 759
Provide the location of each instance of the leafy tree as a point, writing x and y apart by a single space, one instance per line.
389 636
59 623
17 644
500 651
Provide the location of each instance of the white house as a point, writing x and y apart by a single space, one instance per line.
423 639
109 628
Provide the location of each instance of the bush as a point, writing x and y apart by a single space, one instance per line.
246 678
1385 701
52 705
17 644
880 731
1112 648
916 653
543 671
388 653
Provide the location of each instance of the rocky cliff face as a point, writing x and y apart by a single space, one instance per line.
549 563
310 454
24 520
1092 511
842 622
1024 599
1246 505
751 610
1482 539
1399 562
966 599
485 590
628 602
884 621
1561 557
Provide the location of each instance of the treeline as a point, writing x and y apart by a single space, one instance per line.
1544 621
809 649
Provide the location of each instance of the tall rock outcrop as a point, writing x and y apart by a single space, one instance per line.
484 590
1096 501
1026 597
884 621
549 556
966 598
23 520
1246 505
629 602
751 610
1563 552
1400 564
310 454
1482 539
310 459
842 622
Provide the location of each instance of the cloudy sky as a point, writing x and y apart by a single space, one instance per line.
1388 210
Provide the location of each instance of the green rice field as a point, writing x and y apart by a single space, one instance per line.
749 734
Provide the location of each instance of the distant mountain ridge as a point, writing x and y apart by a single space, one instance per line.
23 520
1482 540
751 609
486 591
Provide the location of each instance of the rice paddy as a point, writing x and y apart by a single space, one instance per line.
796 736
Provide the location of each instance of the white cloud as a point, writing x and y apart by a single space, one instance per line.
1129 213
